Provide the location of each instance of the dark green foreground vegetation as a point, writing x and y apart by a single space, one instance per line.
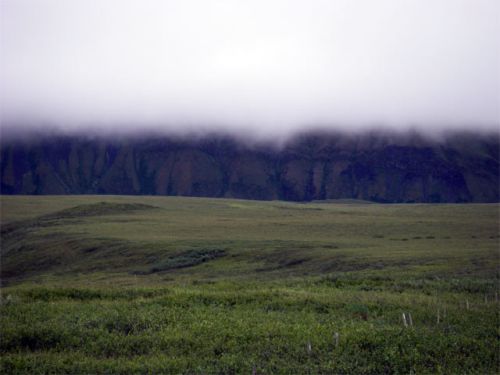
179 285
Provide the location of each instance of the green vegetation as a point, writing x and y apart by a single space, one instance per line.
188 258
114 284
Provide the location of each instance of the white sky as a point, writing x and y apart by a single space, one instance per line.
260 64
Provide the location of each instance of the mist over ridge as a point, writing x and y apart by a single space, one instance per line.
263 67
270 136
390 101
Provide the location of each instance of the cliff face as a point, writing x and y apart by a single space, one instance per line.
460 168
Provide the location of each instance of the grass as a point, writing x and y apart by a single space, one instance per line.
185 259
192 285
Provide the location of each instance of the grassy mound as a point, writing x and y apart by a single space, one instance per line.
98 209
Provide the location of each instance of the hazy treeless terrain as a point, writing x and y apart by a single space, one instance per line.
128 284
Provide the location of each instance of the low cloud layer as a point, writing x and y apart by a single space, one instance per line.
264 66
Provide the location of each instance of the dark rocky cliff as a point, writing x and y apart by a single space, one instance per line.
383 168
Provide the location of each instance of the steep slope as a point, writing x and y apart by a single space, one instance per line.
315 166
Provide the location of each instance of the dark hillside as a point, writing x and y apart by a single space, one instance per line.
382 168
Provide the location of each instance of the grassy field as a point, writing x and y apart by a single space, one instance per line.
115 284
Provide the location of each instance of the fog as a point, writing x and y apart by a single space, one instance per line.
265 67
